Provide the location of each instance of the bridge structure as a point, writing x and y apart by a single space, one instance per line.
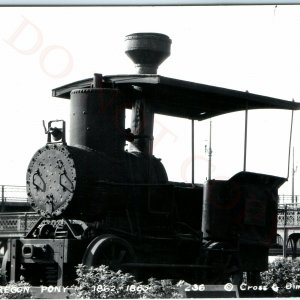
288 229
13 199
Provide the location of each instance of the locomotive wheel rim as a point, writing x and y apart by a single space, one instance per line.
108 250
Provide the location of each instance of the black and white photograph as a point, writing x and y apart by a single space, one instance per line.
150 150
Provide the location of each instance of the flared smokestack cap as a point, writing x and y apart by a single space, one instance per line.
147 50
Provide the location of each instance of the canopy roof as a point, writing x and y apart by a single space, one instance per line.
181 98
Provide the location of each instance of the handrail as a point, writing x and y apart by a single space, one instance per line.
23 213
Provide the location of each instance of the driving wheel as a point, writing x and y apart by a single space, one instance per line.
108 250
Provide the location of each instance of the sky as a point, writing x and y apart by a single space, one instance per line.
254 48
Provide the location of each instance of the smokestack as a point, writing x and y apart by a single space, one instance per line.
147 50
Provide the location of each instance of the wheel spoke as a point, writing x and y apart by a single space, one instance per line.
106 257
113 251
121 256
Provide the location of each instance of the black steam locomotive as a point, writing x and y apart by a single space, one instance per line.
101 204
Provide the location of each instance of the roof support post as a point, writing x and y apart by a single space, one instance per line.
193 151
209 153
245 139
290 143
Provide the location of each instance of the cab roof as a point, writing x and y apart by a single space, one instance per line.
179 98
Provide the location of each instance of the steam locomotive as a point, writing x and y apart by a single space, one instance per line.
101 204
